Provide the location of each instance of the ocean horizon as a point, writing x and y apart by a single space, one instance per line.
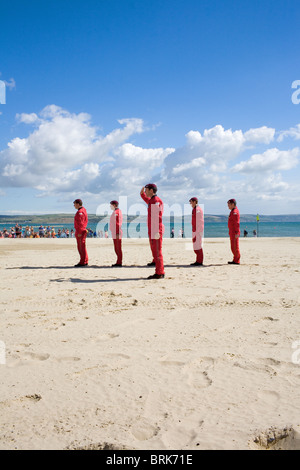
136 229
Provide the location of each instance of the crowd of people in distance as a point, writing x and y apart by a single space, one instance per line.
46 232
36 232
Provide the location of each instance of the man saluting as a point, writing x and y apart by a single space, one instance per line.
80 224
155 228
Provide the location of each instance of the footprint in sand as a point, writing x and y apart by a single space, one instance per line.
143 430
268 396
119 355
172 363
36 357
196 373
27 358
67 359
107 336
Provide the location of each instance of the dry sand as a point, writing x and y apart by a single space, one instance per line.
208 358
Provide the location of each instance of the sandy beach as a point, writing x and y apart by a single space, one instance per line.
207 358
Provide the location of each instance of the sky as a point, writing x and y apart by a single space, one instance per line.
201 97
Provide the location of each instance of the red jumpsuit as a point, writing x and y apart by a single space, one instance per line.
155 230
234 229
115 225
197 232
80 224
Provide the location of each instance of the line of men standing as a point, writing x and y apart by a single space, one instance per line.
156 230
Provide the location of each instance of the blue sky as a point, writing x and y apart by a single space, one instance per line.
103 96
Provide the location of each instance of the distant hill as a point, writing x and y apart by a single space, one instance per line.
61 219
247 218
48 219
252 218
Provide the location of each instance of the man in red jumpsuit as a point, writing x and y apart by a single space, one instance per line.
197 231
234 231
80 224
115 225
155 228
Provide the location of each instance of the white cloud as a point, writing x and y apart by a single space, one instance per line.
266 185
130 154
216 143
64 154
135 165
293 132
204 158
214 149
270 160
28 118
203 154
195 163
263 135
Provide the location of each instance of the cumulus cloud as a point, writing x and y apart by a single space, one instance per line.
28 118
65 154
206 156
270 160
131 155
201 155
206 165
260 135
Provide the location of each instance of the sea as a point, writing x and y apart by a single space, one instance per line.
211 229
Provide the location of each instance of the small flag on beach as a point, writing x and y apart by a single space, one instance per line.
257 222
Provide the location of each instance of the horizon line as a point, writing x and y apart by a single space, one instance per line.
142 215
